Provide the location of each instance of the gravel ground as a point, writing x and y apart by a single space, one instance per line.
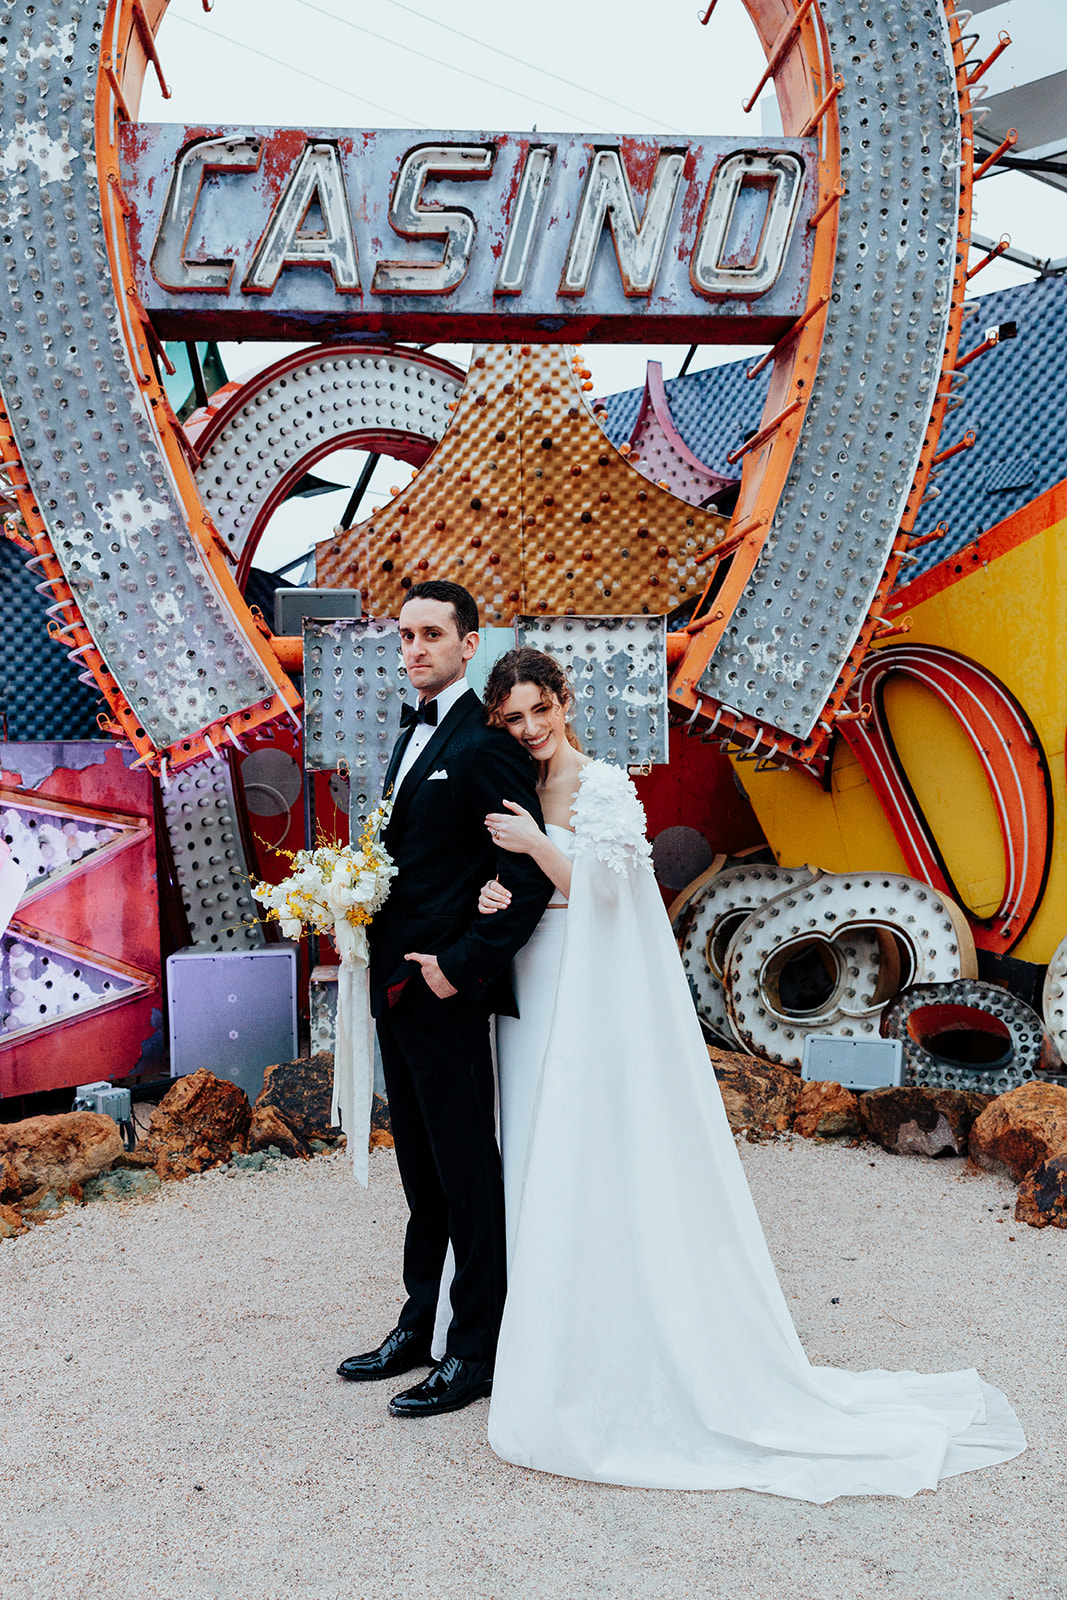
172 1426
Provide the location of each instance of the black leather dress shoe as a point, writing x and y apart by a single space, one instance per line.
397 1353
452 1384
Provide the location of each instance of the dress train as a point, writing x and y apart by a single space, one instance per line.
646 1340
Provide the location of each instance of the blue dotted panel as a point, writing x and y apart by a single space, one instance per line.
712 410
40 695
1013 400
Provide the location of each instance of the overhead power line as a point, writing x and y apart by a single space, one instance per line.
423 55
401 116
523 62
436 61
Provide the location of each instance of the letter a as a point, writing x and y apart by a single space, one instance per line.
318 179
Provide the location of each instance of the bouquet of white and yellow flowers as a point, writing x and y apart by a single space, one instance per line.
336 889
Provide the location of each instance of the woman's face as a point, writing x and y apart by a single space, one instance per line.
536 718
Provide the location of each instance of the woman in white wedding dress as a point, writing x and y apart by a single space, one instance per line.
645 1339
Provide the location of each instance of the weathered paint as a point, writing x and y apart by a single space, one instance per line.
466 235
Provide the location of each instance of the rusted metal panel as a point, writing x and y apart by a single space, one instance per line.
286 232
527 504
80 962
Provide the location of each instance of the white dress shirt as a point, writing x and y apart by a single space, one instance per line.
422 733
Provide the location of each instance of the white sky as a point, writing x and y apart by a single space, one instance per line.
332 63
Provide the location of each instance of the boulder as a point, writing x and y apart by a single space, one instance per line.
1042 1198
921 1121
11 1222
199 1123
381 1129
827 1111
757 1094
270 1128
1021 1129
57 1153
301 1091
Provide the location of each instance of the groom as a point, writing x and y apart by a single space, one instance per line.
437 971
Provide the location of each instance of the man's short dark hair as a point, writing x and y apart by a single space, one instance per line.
450 594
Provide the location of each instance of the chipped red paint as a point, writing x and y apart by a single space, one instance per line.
110 909
234 207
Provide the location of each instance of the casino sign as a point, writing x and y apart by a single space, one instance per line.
840 242
245 232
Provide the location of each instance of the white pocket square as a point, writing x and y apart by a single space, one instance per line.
440 773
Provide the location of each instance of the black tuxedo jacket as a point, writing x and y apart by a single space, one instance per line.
443 853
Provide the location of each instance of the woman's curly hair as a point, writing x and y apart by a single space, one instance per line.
527 665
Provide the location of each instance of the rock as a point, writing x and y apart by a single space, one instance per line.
1021 1129
10 1187
58 1152
11 1222
757 1094
256 1161
269 1127
921 1121
1042 1198
199 1123
381 1129
301 1091
122 1183
827 1111
44 1204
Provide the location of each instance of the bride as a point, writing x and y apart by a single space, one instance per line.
645 1339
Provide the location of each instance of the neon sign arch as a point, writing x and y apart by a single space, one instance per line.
140 585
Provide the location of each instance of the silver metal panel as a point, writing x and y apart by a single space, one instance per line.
327 398
112 509
618 669
352 684
440 229
853 1063
232 1013
322 994
873 391
209 858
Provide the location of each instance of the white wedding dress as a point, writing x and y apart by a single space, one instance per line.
645 1339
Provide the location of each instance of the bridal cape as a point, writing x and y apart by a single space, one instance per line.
646 1340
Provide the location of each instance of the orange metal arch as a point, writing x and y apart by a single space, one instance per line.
795 42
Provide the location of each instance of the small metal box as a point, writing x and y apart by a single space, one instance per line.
232 1012
853 1063
291 606
104 1098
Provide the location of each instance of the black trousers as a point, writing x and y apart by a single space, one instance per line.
439 1078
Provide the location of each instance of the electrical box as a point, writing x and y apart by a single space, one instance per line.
291 606
853 1063
232 1012
104 1098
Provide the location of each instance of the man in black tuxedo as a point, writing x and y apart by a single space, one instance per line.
437 971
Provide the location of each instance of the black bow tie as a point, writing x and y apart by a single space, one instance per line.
426 712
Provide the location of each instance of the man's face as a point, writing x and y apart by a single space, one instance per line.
430 643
